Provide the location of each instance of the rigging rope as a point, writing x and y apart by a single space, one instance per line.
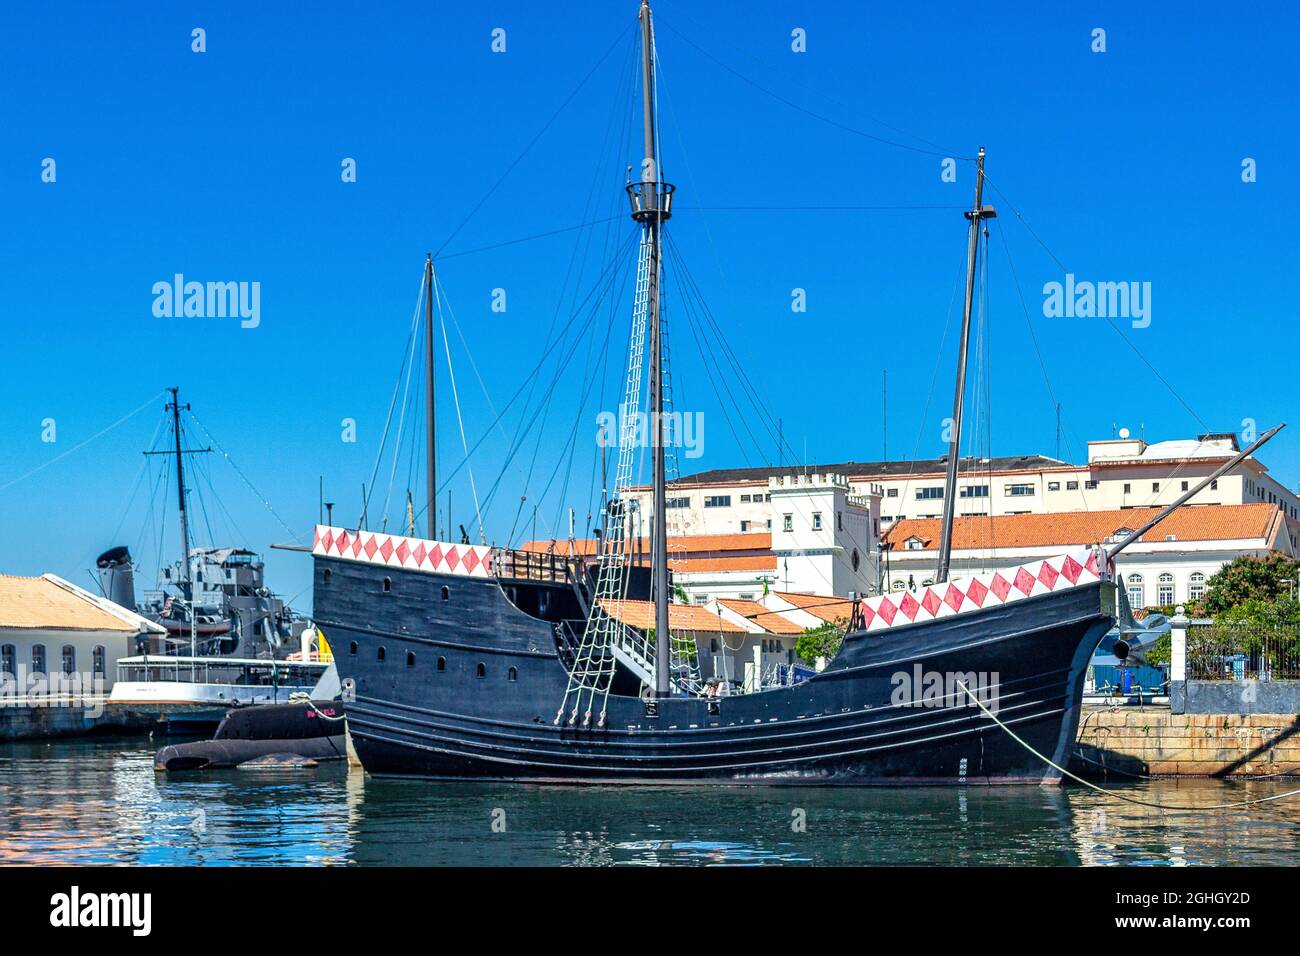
815 115
383 440
1111 793
1109 321
83 443
532 142
460 421
257 494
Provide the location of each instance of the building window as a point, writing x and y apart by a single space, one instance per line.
69 659
442 663
446 593
817 520
38 658
787 522
480 670
1214 485
897 586
717 501
1090 484
1071 486
1155 486
325 578
891 492
1127 488
410 658
1053 486
99 661
1184 486
839 520
1136 591
928 494
352 649
1019 491
512 675
745 498
1165 589
8 661
973 491
381 654
914 544
678 503
744 526
713 645
1196 586
388 585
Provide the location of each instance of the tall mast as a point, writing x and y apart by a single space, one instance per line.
175 408
430 444
651 200
976 215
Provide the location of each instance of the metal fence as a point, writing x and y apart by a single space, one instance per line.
1226 652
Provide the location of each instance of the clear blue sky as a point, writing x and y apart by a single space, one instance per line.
226 166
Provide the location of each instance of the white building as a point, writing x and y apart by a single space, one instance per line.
1169 565
1120 473
56 636
825 539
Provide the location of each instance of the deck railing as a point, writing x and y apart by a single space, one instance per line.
535 566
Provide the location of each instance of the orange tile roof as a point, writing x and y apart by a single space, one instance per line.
1192 523
681 617
770 621
834 610
688 543
40 603
748 562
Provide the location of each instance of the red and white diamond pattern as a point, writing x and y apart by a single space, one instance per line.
983 590
395 551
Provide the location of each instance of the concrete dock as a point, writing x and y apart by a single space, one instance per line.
1150 741
43 717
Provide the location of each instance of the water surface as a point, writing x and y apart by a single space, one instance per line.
100 801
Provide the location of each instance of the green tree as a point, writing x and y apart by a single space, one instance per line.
1246 585
822 641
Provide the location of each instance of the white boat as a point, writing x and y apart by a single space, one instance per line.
181 684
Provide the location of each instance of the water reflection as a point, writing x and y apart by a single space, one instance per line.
101 802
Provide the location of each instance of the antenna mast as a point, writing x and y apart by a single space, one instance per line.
175 408
977 213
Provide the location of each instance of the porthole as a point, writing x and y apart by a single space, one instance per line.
352 648
442 663
379 655
410 658
388 585
512 674
481 670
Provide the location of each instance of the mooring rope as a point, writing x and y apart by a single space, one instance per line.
301 697
1110 793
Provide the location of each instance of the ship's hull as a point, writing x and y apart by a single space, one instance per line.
467 686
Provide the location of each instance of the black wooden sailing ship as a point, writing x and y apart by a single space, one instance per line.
467 661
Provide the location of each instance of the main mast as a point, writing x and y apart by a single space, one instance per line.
976 215
431 459
651 200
